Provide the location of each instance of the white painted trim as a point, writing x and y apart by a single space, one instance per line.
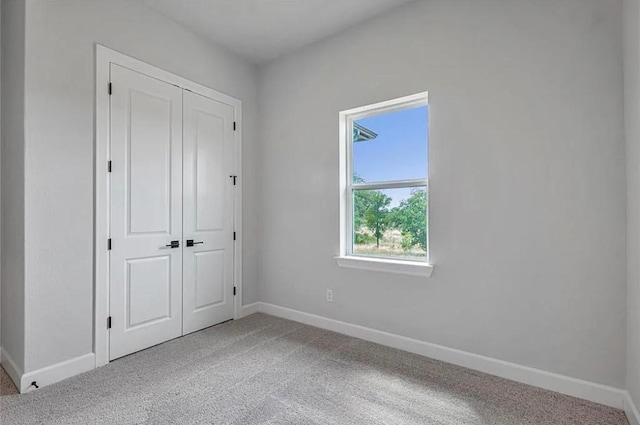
344 155
394 184
101 199
104 57
237 215
249 309
57 372
597 393
413 268
397 104
633 414
14 372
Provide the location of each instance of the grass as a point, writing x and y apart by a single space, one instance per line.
390 246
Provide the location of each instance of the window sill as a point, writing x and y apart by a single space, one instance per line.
412 268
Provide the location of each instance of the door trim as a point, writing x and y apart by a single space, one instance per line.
104 58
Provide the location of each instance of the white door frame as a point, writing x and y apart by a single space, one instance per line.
104 58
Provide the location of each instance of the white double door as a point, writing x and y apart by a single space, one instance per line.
171 212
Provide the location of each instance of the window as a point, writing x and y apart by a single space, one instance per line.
384 186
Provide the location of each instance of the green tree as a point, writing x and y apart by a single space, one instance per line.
361 202
370 209
377 214
411 218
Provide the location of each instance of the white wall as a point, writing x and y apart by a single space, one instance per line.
632 128
0 175
60 150
527 179
12 179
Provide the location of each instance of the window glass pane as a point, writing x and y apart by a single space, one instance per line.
391 146
390 223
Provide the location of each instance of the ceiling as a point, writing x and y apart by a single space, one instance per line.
261 30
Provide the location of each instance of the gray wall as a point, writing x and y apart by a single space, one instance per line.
527 177
60 150
12 188
0 175
632 128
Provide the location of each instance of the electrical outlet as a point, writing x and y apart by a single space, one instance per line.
329 296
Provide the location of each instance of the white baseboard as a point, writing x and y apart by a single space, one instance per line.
633 414
11 367
57 372
250 309
597 393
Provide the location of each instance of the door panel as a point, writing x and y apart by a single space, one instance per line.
146 212
208 212
209 163
149 164
209 278
147 291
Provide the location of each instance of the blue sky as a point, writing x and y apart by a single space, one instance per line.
398 153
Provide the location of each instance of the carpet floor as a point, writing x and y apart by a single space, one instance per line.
6 384
266 370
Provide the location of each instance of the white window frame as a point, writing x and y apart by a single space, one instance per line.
346 257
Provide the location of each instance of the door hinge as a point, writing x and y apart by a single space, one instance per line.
108 166
109 244
234 179
110 89
234 291
109 322
234 126
234 236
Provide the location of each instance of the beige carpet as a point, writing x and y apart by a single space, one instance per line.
6 384
266 370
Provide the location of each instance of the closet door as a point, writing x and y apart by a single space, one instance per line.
146 212
208 212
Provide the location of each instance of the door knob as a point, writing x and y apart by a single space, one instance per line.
190 242
173 244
